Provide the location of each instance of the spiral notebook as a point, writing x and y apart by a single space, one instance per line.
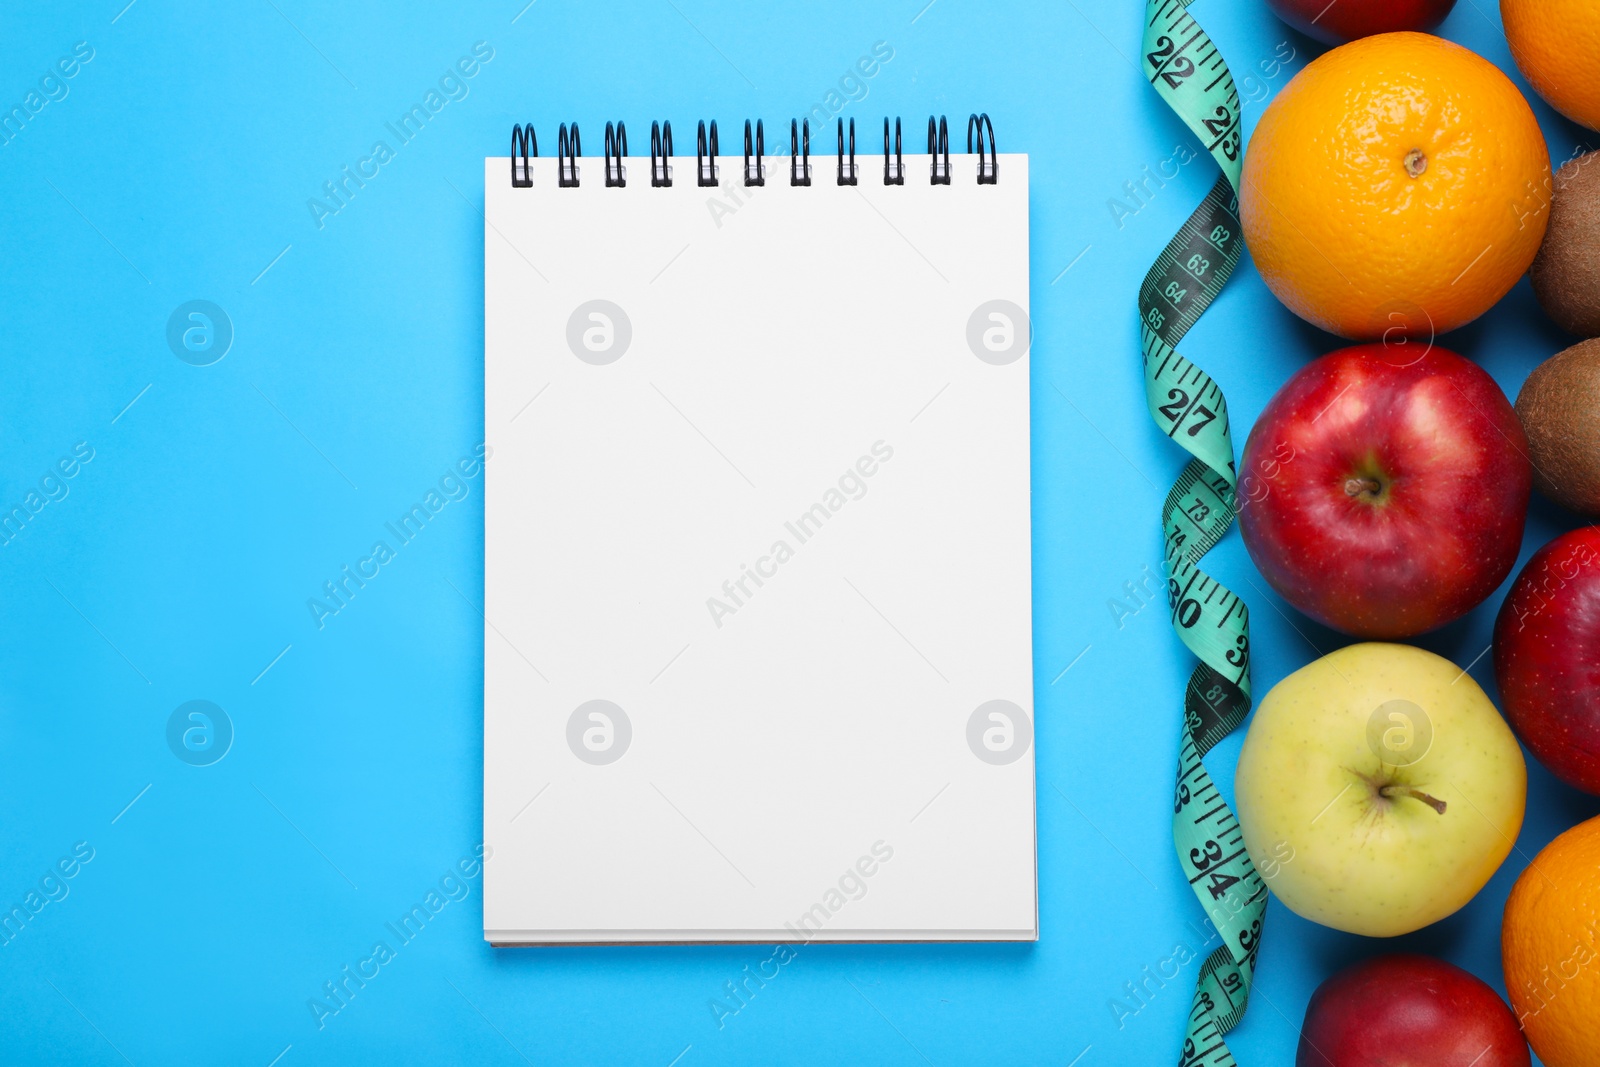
758 642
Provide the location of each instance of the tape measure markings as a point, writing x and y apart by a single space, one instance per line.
1189 407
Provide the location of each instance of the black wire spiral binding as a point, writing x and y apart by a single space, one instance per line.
706 167
939 146
757 176
616 148
522 141
800 162
897 174
988 173
851 180
980 141
660 152
567 152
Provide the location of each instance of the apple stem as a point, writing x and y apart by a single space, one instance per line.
1358 486
1416 794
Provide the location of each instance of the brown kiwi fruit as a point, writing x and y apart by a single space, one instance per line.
1559 407
1566 273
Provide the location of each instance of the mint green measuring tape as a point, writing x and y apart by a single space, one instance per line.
1189 73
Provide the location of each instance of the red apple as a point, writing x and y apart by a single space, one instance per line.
1547 657
1383 491
1412 1010
1338 21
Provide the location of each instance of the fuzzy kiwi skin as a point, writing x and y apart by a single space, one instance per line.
1566 272
1559 408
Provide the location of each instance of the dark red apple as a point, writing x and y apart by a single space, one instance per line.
1412 1010
1383 491
1338 21
1547 657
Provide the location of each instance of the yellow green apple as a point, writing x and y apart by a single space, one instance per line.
1391 779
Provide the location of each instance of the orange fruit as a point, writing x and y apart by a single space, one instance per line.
1556 44
1399 182
1550 945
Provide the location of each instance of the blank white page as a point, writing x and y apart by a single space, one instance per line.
758 643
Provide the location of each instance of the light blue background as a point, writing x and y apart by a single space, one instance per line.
179 565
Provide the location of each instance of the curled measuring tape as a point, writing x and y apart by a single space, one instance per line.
1188 71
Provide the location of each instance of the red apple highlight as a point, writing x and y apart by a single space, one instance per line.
1338 21
1412 1010
1547 657
1383 492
